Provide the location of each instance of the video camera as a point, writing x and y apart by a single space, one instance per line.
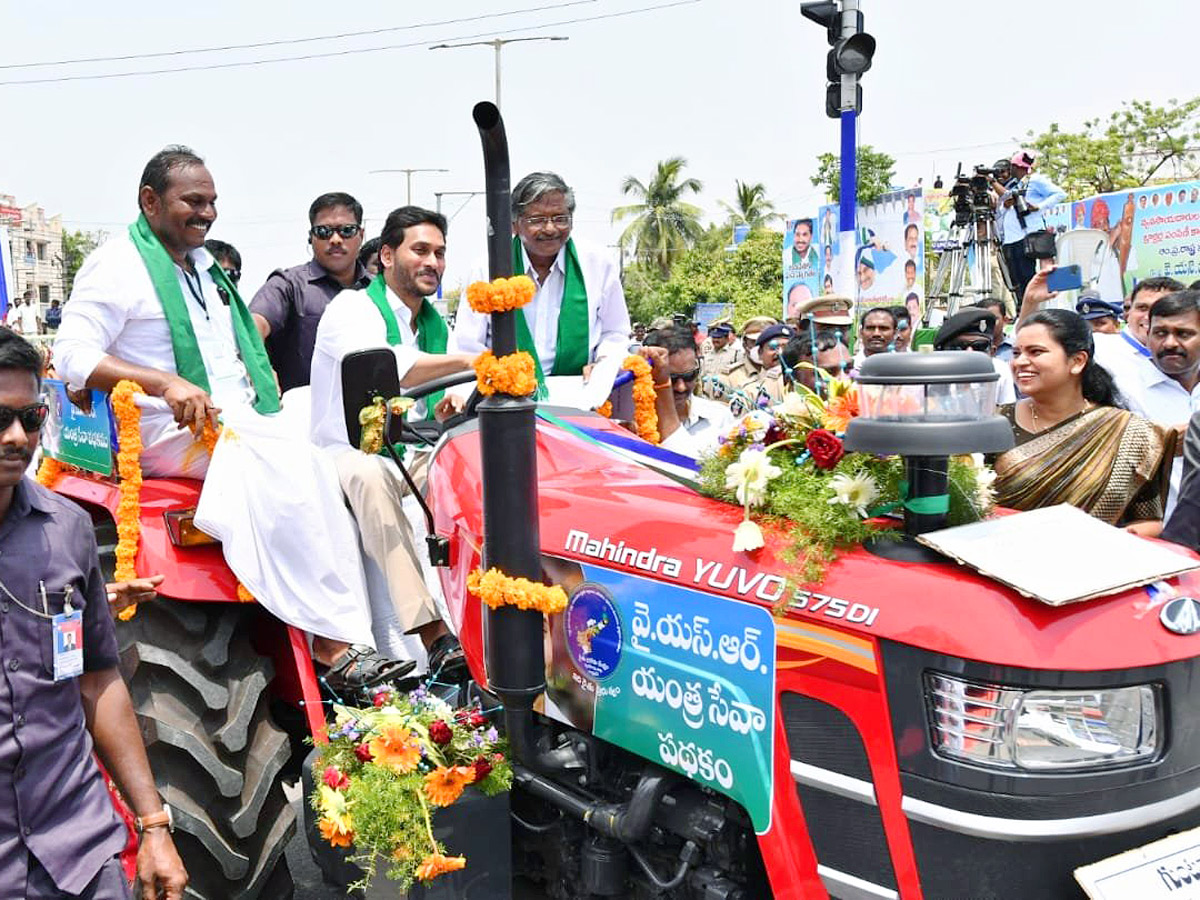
972 194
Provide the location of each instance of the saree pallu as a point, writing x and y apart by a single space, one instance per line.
1106 462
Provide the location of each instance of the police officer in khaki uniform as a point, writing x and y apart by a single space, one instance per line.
720 350
729 385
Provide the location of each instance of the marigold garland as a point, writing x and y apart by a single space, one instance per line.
129 468
48 471
501 295
645 412
496 589
512 374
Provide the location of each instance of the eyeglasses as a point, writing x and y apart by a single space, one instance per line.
325 232
686 377
234 275
542 221
31 417
980 346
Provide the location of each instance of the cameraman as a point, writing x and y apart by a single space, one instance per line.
1022 198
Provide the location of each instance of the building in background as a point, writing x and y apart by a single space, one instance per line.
36 245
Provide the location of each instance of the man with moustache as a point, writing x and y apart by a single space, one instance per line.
59 834
578 315
289 305
804 254
391 312
877 331
151 305
1127 355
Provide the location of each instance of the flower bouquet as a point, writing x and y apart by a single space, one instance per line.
789 461
386 768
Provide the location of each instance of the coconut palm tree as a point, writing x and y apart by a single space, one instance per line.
752 206
663 224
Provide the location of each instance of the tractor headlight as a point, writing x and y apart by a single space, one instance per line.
1041 730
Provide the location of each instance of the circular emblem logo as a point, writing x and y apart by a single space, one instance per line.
1181 615
593 632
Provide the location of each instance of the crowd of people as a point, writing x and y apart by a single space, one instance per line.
297 504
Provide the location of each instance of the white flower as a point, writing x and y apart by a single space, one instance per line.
985 494
749 476
857 491
747 536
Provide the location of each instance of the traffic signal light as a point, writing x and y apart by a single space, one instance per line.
850 56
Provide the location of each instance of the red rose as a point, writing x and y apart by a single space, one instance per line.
363 752
482 768
335 779
825 447
439 732
477 720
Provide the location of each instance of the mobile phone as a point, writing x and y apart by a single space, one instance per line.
1064 278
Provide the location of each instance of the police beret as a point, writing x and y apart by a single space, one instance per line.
968 321
1090 306
774 331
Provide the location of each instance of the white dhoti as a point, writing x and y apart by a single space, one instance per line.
274 502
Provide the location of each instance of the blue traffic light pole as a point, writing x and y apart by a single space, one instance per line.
848 201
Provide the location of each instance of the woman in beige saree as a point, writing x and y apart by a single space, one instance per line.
1073 444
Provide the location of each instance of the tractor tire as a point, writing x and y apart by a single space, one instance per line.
200 694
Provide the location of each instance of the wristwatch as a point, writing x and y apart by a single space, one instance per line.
161 819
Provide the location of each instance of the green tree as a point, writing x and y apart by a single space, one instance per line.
875 171
1136 145
751 206
748 276
663 225
76 245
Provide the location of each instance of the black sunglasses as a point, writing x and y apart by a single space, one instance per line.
325 232
31 417
234 275
686 377
982 346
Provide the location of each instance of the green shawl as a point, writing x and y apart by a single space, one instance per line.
188 361
573 344
432 334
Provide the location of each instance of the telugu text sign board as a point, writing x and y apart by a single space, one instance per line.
1169 868
680 677
75 437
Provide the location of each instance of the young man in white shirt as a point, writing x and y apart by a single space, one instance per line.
578 314
391 312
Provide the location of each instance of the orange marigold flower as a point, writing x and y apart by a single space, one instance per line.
645 413
496 589
335 833
48 471
445 784
501 295
513 374
436 864
243 593
129 468
397 748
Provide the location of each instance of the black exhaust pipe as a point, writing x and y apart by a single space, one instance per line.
512 637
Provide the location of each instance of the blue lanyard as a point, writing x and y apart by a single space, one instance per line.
1136 344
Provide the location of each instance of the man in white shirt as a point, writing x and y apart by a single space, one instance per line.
1127 355
391 312
28 319
702 421
578 315
146 307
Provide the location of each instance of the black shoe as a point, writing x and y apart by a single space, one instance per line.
446 658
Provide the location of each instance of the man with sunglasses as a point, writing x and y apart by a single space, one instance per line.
59 834
702 421
578 315
289 305
974 329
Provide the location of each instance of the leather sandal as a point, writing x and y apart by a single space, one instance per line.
361 667
445 655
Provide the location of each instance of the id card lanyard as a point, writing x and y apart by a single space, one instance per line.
66 630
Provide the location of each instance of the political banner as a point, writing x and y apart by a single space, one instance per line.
802 265
677 676
1153 231
75 437
889 253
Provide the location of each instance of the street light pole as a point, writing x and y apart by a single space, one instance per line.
497 44
408 179
441 194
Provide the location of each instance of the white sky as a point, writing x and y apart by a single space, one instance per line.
734 86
